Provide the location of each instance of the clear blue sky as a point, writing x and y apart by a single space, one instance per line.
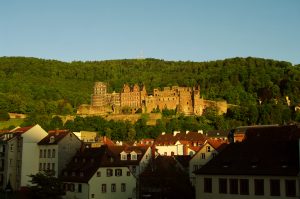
195 30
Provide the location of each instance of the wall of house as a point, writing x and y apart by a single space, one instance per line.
95 184
215 187
197 161
30 153
67 148
167 150
47 161
83 194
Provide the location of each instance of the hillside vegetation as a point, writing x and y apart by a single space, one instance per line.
46 87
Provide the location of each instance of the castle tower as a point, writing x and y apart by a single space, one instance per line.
99 96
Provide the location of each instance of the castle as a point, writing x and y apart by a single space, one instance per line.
135 99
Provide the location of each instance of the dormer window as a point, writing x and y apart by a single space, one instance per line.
52 139
123 155
81 174
133 157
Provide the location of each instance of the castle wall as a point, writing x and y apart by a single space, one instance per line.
185 100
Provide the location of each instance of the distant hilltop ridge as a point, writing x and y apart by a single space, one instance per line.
134 99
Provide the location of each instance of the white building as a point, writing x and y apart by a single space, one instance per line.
105 172
56 150
179 143
20 154
208 151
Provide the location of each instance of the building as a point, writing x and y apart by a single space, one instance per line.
105 172
208 151
264 165
56 150
19 156
179 143
135 99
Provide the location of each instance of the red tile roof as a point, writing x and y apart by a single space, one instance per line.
22 129
170 139
54 137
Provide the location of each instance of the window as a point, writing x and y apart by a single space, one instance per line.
195 167
233 186
133 169
113 187
12 148
40 167
71 187
259 187
165 153
81 174
203 155
79 188
98 174
109 172
123 187
44 166
244 186
92 195
290 188
45 153
49 153
222 185
128 173
208 149
214 155
53 166
133 157
123 157
207 185
48 166
103 188
275 187
118 172
53 153
41 153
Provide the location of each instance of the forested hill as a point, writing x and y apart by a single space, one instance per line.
31 84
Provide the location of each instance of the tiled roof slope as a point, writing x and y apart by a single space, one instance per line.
55 135
89 160
271 151
170 139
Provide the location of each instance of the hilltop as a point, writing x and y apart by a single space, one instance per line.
31 84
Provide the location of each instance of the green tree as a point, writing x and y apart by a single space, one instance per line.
4 116
45 186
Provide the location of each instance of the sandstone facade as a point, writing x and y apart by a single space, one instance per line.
184 100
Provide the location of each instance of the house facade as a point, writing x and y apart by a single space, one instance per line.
19 152
265 164
208 151
105 172
56 150
179 143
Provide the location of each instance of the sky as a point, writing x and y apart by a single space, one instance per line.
191 30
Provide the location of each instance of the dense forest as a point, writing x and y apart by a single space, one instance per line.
42 88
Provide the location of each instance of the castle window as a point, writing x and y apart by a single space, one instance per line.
208 149
113 187
275 187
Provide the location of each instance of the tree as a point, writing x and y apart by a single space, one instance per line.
45 186
4 116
